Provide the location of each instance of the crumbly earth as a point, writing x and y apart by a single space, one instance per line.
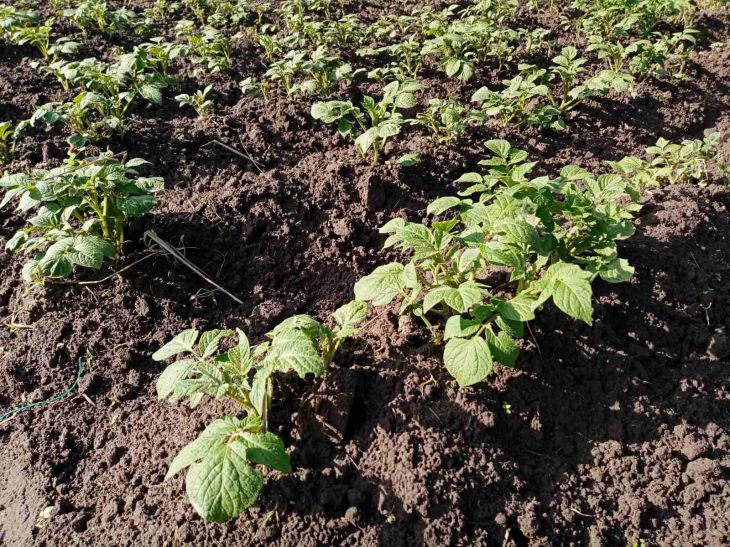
601 435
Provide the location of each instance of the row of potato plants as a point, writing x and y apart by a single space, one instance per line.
534 96
547 238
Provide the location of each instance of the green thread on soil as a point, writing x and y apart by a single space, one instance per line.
52 399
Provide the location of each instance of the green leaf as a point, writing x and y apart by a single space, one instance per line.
503 348
183 342
500 147
382 285
464 297
294 350
409 160
54 262
459 299
459 327
617 271
440 205
310 326
520 308
210 340
89 251
134 206
223 484
152 93
171 376
570 287
349 316
468 360
267 449
240 355
259 387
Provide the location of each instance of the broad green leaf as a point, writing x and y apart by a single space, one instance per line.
418 237
152 93
134 206
310 326
210 341
294 350
570 287
214 435
382 285
172 375
468 360
459 327
464 297
503 348
409 160
266 449
240 355
440 205
89 251
618 271
469 258
350 315
520 308
500 147
183 342
223 484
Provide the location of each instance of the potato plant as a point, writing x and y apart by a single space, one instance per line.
446 119
222 478
553 236
208 46
7 142
77 212
372 124
542 97
674 163
95 16
109 91
198 101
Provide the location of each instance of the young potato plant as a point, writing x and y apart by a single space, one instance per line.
37 35
12 18
222 478
671 163
161 54
612 19
372 124
250 87
553 236
198 100
537 96
407 56
95 16
110 90
658 55
208 46
447 119
322 72
7 142
523 100
454 53
79 212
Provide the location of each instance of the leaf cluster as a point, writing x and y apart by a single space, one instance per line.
551 236
374 122
77 212
222 479
542 97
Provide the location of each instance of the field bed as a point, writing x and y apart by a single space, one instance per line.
601 435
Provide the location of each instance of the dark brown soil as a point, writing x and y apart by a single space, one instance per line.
602 435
